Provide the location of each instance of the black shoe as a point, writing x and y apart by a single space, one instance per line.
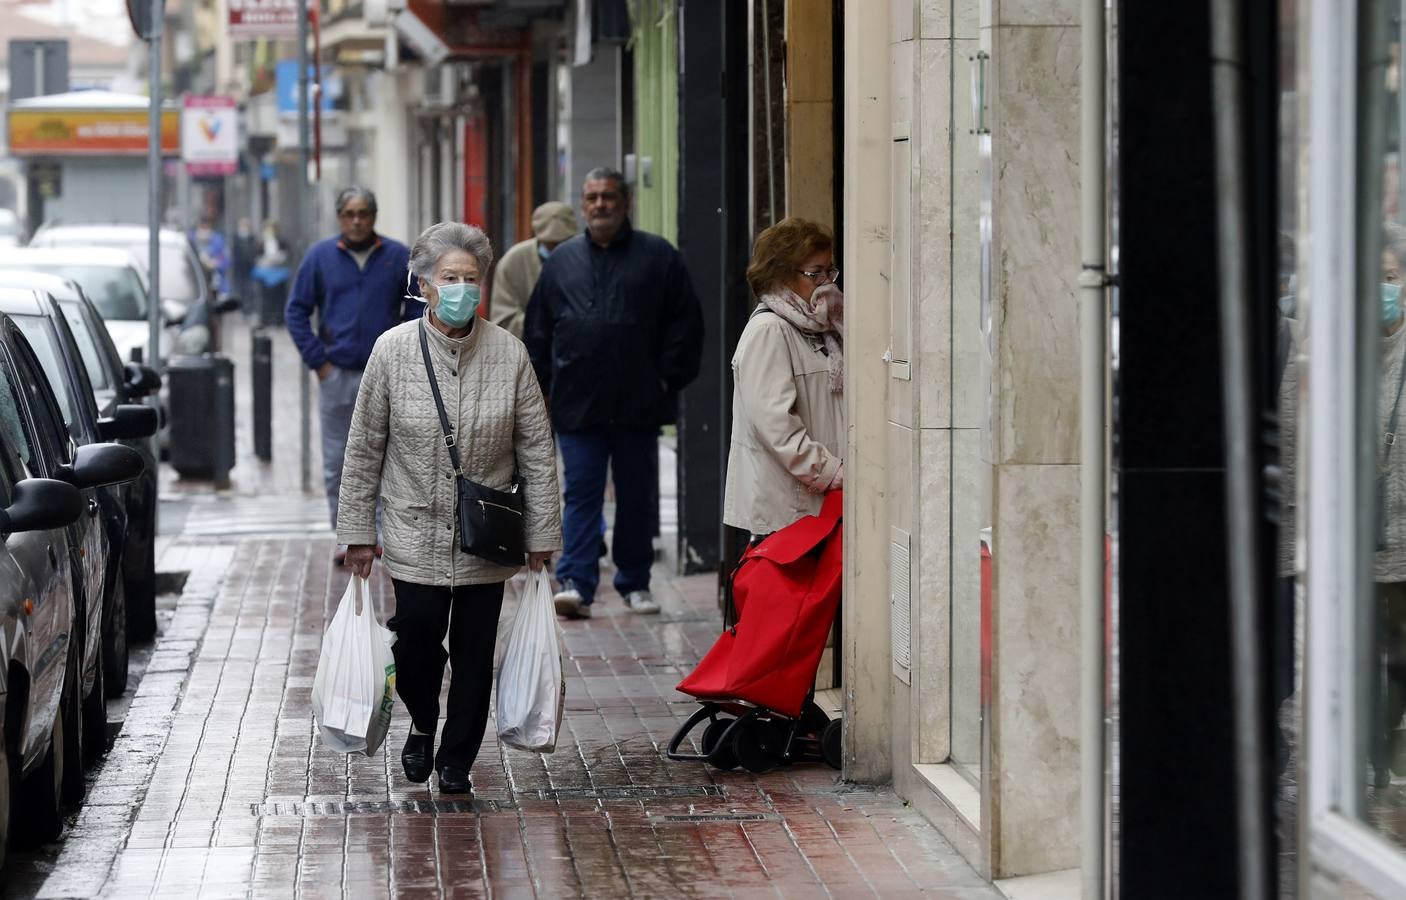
453 780
417 757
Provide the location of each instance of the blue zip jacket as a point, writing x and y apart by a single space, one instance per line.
354 306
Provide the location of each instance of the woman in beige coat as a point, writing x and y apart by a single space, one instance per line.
397 454
788 418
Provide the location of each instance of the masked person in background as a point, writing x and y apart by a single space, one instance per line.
788 409
519 269
354 284
397 454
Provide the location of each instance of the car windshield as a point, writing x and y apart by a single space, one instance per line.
115 290
41 337
87 344
179 278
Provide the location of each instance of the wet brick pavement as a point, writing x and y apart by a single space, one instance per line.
218 786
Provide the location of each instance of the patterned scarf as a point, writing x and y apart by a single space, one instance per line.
823 314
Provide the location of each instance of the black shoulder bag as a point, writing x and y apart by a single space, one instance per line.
490 521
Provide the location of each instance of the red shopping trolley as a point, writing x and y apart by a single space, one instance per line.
756 683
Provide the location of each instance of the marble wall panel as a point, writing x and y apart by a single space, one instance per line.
1037 12
901 89
1036 208
970 513
902 20
932 608
949 18
901 477
932 270
1035 678
968 397
867 649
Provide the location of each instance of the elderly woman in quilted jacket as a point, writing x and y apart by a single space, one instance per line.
396 454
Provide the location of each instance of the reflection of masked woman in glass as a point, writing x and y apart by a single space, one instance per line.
1389 562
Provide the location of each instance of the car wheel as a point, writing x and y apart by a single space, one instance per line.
95 715
141 597
71 711
115 655
41 794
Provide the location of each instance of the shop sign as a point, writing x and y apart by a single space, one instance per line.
210 135
263 18
89 132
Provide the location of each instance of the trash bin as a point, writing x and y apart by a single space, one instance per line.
202 416
262 372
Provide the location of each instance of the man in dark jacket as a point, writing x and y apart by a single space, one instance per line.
356 283
615 331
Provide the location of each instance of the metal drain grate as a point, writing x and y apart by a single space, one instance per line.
307 809
704 818
624 792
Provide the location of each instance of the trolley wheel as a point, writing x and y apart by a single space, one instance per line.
830 746
718 757
758 745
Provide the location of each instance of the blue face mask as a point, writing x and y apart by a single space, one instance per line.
542 251
1391 303
457 304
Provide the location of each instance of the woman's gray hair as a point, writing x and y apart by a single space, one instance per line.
356 192
440 238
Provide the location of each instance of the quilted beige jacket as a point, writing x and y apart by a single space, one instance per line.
395 451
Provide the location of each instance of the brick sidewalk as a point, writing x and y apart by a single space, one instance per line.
219 787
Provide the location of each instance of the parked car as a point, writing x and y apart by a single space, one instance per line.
184 277
39 613
116 283
114 384
102 600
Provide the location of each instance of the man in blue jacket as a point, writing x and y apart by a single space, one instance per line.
356 284
615 330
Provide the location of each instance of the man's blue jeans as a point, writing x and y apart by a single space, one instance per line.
632 454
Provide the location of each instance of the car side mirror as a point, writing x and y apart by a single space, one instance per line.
140 380
129 422
99 465
227 305
39 504
174 313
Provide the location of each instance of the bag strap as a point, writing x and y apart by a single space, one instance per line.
439 403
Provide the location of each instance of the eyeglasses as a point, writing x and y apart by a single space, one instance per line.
832 274
351 214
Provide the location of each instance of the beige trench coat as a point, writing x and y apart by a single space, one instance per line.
788 427
513 279
395 451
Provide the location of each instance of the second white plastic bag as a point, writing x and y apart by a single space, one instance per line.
531 687
354 689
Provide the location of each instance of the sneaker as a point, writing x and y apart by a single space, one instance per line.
641 602
568 602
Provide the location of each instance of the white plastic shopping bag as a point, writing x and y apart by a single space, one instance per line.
354 689
531 688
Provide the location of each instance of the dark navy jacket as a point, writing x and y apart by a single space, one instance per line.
614 332
353 306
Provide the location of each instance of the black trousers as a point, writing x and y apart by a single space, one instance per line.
423 613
